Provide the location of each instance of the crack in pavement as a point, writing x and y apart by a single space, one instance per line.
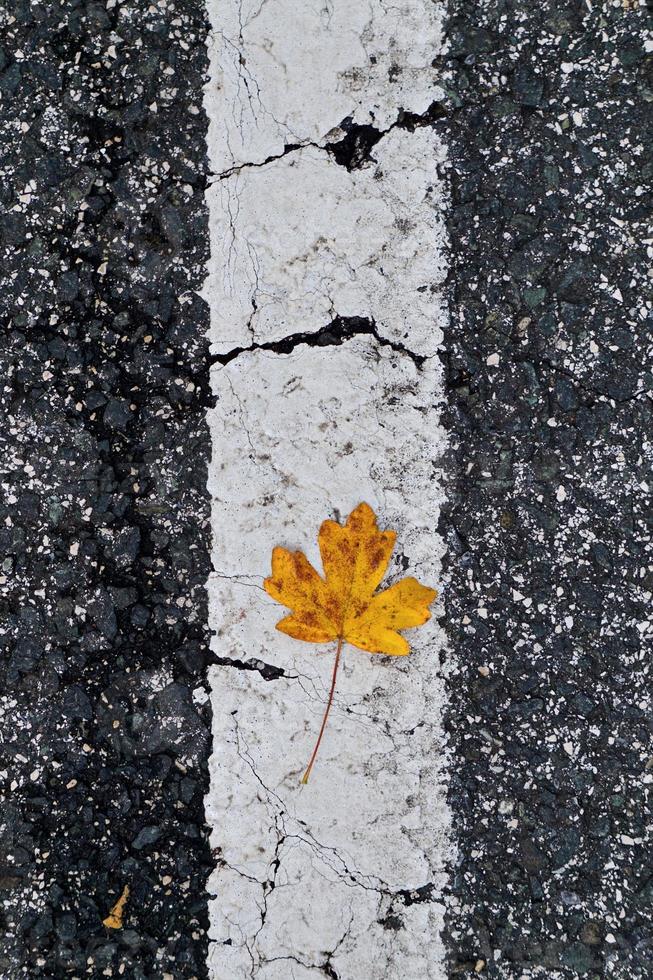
354 149
267 671
333 334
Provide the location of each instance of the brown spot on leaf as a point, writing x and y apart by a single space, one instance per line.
376 557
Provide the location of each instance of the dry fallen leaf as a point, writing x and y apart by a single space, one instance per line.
115 916
344 604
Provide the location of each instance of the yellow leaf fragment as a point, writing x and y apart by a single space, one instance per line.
114 920
344 604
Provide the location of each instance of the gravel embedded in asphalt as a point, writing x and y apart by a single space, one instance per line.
104 522
550 377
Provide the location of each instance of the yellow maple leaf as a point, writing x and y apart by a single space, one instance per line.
114 920
344 605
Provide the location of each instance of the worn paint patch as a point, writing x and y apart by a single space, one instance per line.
299 241
347 873
300 436
284 73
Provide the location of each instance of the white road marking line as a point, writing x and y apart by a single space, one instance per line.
321 875
302 239
284 73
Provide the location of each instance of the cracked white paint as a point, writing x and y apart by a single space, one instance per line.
342 877
298 241
286 73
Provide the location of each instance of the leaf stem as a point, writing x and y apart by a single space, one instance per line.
326 713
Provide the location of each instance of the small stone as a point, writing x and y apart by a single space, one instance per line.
590 933
146 837
117 414
534 296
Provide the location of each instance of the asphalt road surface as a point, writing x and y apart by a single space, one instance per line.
261 261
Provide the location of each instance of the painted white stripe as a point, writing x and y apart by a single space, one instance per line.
300 240
285 73
310 877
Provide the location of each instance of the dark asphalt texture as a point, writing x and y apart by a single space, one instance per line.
550 379
104 515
